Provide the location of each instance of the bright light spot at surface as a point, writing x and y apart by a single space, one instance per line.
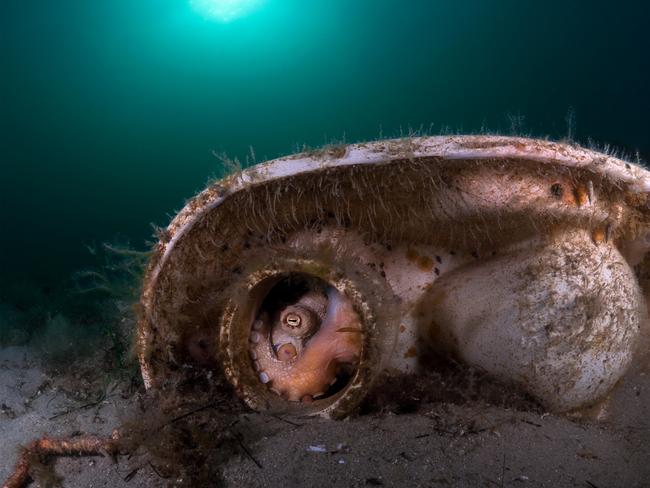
225 10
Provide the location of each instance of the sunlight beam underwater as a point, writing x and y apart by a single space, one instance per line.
225 10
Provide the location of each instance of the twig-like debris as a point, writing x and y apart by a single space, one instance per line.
190 413
155 470
531 423
101 398
131 474
45 447
295 424
238 437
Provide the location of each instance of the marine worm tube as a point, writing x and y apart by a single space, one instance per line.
46 447
299 354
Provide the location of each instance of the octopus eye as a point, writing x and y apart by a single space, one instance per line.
292 320
313 276
299 320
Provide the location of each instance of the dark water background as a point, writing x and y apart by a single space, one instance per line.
110 109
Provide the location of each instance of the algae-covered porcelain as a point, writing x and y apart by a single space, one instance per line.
304 278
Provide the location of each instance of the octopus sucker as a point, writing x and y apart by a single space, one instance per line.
314 275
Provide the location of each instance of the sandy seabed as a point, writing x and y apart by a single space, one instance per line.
439 444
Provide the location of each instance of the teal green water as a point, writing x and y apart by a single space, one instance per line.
110 109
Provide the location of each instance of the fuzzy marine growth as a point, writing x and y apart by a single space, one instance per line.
305 278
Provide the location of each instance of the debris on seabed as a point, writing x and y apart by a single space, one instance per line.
317 448
340 447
